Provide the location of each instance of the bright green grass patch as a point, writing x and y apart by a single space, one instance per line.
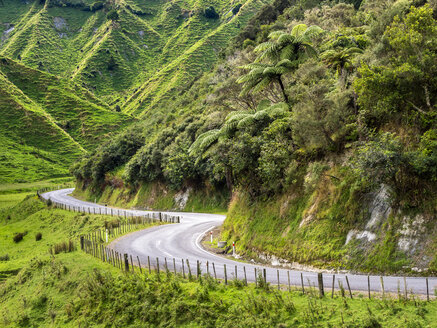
8 188
9 200
30 217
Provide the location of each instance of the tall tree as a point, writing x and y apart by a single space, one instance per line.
280 55
293 46
341 61
261 75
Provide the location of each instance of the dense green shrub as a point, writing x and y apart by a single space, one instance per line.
113 15
211 13
18 237
65 247
4 257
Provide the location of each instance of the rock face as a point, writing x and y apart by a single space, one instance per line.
411 230
60 24
9 29
379 209
181 198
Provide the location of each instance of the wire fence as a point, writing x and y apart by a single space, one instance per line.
103 210
96 244
241 275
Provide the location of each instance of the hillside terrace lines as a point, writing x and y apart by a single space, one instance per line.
154 88
94 44
23 27
30 105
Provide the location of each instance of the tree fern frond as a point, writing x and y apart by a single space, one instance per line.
207 138
298 30
246 122
312 31
275 35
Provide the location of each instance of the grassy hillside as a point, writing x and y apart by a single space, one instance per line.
151 49
46 123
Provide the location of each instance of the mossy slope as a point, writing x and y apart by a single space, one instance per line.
46 123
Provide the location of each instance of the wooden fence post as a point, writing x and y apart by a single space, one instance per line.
289 283
405 288
174 266
157 266
349 286
183 269
215 274
278 279
382 287
198 269
148 263
321 288
236 274
368 286
226 276
301 281
166 266
333 286
427 289
189 269
265 277
256 278
245 276
126 263
139 264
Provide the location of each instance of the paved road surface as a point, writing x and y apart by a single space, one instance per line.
182 241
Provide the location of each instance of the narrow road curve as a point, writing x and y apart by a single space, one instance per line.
182 241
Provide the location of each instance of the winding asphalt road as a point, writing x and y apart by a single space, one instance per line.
182 241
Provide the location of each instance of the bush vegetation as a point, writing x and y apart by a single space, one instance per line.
65 247
274 108
18 237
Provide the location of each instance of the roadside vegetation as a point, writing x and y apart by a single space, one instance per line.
319 124
43 287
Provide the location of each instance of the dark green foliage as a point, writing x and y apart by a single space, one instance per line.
4 257
18 237
63 247
236 9
110 155
113 15
327 109
211 13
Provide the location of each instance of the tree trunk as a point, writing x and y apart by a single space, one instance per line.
283 89
228 175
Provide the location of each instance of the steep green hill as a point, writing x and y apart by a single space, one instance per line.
46 123
151 49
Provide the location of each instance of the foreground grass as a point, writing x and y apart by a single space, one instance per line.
74 289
